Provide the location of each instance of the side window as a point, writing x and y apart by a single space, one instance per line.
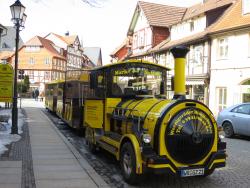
243 109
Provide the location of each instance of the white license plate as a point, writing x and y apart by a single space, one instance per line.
192 172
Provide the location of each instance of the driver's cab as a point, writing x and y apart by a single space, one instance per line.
115 84
129 80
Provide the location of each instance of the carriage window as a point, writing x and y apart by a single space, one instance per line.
137 81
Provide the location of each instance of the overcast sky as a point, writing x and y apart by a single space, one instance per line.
104 27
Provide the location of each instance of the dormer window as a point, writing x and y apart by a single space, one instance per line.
246 7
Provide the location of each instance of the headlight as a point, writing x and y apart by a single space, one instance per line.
221 136
146 138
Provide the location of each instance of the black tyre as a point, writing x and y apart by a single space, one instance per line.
128 164
228 129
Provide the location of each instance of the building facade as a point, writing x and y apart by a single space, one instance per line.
41 62
230 58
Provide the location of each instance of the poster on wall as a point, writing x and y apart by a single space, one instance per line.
6 83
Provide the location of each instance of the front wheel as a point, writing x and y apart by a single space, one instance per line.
228 129
128 164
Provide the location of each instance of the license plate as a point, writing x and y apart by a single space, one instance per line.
192 172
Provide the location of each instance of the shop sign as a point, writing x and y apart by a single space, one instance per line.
6 82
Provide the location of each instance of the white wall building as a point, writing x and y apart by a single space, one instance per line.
230 58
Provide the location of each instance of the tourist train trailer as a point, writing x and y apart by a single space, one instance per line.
123 109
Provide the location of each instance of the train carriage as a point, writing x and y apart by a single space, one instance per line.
125 110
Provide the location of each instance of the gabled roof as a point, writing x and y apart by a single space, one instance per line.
208 5
161 15
67 39
233 19
157 14
47 44
70 39
124 43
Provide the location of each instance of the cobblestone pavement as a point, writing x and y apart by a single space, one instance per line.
21 151
235 174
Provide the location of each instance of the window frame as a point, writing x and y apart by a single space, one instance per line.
223 98
245 8
224 46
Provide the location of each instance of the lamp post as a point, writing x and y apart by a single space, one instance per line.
18 18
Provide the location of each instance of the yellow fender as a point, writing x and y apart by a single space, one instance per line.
132 138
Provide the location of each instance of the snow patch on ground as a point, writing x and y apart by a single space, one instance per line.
5 129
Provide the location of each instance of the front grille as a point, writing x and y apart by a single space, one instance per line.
189 136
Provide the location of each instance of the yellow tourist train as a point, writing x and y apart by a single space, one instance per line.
124 108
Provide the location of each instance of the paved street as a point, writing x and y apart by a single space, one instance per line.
235 174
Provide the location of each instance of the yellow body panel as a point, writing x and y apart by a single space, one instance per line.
93 113
179 77
110 104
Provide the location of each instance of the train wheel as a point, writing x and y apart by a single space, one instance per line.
89 137
128 164
228 129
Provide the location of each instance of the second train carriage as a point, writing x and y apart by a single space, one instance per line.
126 112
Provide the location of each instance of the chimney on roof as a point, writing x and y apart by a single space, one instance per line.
67 33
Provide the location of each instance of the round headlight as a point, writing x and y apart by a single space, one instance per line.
146 138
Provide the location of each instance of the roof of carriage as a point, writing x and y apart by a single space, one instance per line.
130 62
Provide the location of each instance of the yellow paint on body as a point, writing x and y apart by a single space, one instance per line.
179 77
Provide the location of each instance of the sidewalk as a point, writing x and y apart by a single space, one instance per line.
54 161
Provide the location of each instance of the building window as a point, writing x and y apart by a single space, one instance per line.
221 96
32 48
31 61
31 75
135 42
191 26
47 61
46 75
222 50
246 7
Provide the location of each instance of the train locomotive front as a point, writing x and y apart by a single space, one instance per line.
178 136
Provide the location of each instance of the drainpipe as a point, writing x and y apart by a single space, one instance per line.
208 70
179 54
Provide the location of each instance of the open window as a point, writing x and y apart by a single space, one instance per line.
138 80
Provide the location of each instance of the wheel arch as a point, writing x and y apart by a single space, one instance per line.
136 147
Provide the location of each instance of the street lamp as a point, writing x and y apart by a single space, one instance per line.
18 18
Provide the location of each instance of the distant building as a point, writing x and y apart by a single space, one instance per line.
41 61
8 43
72 50
122 52
94 54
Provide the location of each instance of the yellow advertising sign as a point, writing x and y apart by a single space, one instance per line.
6 82
93 113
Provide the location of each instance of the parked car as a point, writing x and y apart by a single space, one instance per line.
235 120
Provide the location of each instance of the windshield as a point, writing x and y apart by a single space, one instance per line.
138 81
